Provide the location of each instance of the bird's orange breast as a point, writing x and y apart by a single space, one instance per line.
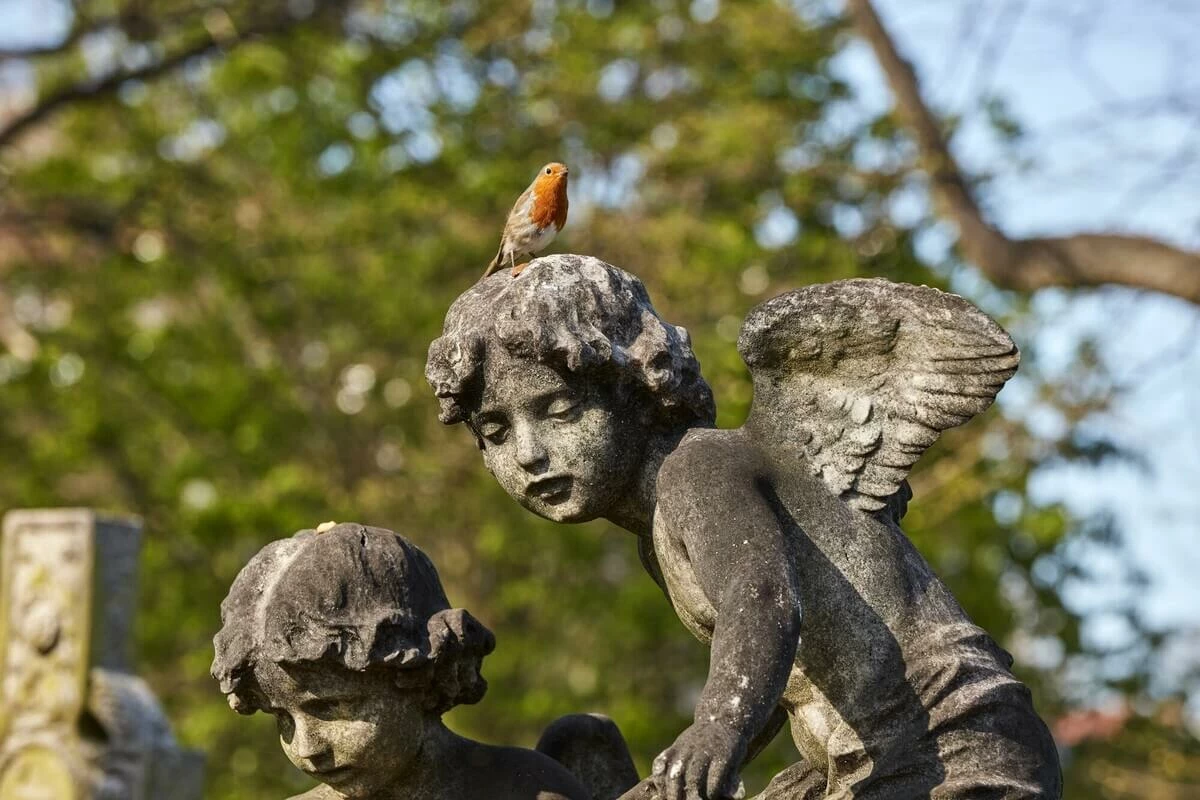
549 201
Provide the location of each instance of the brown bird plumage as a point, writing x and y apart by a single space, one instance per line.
537 216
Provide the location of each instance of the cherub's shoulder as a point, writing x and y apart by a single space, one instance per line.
708 454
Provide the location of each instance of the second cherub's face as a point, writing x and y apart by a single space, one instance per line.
564 451
358 733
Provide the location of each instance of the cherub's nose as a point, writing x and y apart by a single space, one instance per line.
531 454
307 743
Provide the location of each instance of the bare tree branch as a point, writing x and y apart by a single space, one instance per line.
131 18
995 46
71 39
214 39
969 22
1078 260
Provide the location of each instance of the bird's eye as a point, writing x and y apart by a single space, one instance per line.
547 170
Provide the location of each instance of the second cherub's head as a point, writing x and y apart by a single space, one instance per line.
565 375
347 638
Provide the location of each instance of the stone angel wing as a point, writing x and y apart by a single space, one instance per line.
861 376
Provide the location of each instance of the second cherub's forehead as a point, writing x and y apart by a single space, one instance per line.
294 684
284 685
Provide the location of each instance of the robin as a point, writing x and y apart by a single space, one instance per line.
538 215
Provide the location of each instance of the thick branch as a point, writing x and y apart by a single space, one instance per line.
71 39
87 91
1085 259
132 18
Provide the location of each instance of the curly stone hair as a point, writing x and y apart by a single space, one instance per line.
354 597
575 314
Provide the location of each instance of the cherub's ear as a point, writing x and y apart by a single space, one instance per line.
633 398
453 630
417 678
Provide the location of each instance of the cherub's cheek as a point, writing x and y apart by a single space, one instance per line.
576 444
359 736
494 460
594 445
503 470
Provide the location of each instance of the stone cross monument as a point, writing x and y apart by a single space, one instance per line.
75 722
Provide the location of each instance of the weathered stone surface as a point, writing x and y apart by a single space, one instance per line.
346 636
592 748
778 542
863 375
74 722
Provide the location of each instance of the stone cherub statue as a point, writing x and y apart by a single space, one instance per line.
347 638
777 542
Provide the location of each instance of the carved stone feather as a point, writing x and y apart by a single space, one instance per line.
861 376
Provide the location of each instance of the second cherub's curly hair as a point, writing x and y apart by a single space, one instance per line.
576 314
355 597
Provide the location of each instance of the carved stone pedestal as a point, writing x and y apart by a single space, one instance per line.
75 723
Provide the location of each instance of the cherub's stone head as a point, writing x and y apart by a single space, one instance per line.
565 374
348 639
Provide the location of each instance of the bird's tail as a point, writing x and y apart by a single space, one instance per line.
496 264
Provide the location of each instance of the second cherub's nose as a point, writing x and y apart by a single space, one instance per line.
308 744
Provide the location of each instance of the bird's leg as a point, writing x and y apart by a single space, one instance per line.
516 268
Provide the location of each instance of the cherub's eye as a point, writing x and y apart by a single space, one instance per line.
494 432
564 408
328 708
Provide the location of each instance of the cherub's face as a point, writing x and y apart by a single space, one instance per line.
355 732
563 451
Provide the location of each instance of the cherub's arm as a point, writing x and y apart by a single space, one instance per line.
714 493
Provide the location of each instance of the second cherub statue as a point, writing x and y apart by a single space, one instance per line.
347 638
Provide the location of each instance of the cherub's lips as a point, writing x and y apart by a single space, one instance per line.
332 774
554 489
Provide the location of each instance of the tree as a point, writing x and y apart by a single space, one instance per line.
1075 260
229 243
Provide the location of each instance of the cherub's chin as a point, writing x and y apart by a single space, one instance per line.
347 781
567 509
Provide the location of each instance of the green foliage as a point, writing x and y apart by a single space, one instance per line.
233 272
1122 755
